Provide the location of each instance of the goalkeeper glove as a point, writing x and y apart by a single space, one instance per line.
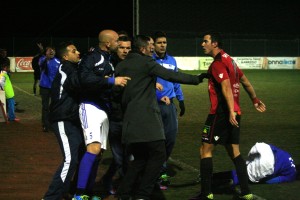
203 76
182 108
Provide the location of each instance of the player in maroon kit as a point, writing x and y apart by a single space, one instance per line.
222 124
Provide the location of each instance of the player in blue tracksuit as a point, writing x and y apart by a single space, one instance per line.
283 169
49 66
266 164
165 98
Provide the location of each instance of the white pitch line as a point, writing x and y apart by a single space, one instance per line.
26 92
184 165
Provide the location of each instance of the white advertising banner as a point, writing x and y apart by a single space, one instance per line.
281 62
187 63
249 62
23 64
204 62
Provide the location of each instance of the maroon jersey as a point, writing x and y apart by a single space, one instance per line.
223 67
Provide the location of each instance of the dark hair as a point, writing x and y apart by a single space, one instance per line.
215 37
124 38
62 48
140 41
159 34
122 32
4 63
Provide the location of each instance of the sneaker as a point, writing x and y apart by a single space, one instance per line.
250 197
95 198
199 197
164 182
112 191
82 197
14 120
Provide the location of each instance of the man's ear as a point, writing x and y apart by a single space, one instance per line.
142 49
215 44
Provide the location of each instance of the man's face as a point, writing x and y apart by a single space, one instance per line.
160 46
207 45
73 54
123 49
50 53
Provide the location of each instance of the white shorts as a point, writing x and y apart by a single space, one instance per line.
95 125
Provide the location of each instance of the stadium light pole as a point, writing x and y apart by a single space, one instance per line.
136 17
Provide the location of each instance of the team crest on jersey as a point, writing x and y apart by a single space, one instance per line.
225 55
221 75
168 66
205 133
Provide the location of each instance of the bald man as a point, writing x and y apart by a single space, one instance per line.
96 76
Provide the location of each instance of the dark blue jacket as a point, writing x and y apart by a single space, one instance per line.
96 78
65 93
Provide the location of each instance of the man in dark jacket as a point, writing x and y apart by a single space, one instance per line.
64 118
143 131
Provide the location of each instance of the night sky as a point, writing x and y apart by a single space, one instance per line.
86 18
64 18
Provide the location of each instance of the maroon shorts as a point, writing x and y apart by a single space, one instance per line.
218 130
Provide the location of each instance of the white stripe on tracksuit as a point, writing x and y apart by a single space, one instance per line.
66 147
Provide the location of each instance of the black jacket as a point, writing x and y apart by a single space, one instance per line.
142 119
93 68
65 92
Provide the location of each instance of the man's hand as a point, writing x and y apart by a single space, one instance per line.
121 81
159 87
259 105
166 100
203 76
232 119
182 108
40 45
